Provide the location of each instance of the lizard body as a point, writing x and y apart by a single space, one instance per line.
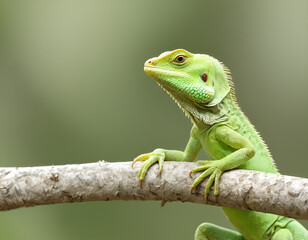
203 89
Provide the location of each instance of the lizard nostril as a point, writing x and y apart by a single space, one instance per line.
151 62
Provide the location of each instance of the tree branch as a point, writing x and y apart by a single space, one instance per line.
102 181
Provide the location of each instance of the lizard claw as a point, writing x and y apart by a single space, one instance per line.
140 183
133 162
191 190
159 171
205 196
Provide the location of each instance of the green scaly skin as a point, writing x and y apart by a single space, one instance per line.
203 89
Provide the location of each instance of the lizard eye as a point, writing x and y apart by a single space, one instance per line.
179 59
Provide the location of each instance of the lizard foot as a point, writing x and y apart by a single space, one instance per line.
149 159
212 169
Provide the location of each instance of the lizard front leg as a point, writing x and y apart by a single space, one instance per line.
243 151
160 155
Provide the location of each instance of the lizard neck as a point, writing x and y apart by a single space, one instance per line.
231 109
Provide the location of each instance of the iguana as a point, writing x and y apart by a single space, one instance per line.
202 87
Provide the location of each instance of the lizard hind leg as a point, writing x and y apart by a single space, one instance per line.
209 231
282 234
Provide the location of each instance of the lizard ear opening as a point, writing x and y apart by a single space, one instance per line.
204 77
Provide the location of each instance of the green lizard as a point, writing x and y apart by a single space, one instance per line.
203 89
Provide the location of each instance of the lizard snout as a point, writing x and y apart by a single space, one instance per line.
150 62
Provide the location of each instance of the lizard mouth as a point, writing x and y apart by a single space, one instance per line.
150 70
148 67
153 71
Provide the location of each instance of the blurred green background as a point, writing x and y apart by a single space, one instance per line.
73 90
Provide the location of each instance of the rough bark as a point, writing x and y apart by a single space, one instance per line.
102 181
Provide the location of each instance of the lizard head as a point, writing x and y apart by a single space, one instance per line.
187 77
